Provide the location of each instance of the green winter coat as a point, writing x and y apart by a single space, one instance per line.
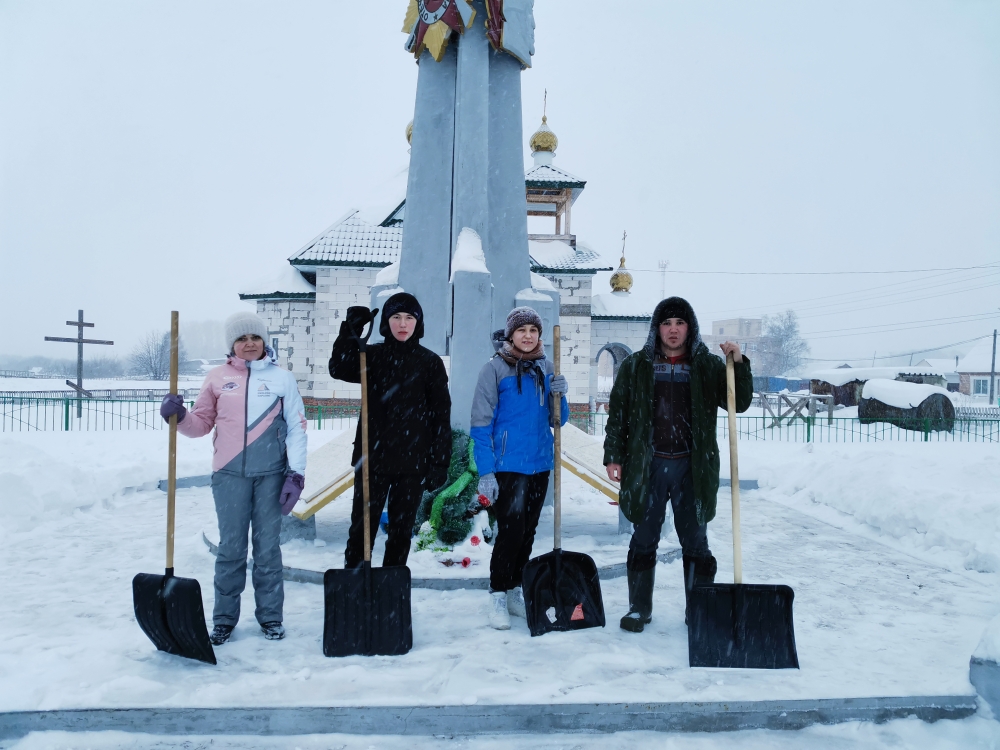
629 434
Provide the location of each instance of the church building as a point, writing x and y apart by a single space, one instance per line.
305 304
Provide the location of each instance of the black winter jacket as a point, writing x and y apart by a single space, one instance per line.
409 409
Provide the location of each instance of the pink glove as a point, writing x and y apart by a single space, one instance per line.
290 492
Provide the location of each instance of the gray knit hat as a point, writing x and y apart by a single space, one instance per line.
521 316
242 323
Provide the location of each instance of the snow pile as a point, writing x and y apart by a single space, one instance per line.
388 276
541 284
51 474
469 254
934 498
843 375
901 394
989 646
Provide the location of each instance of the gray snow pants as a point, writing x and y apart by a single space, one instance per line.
242 502
669 479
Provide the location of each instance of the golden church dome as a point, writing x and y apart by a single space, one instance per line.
543 139
621 280
409 133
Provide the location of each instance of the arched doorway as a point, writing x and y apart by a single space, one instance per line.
609 359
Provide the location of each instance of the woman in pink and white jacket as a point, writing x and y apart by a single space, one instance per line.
258 470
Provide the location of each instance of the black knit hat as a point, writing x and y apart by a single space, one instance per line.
402 302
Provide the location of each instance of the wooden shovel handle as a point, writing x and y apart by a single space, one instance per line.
172 443
557 474
365 483
734 468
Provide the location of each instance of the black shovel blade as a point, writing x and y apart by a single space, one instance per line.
367 611
745 626
170 613
562 591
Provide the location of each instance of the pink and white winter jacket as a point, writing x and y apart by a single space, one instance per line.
258 416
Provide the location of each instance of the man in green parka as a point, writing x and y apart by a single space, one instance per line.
661 445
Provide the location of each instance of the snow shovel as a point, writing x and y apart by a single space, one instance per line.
367 609
562 590
740 625
169 609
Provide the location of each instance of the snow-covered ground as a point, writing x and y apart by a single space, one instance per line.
96 384
891 550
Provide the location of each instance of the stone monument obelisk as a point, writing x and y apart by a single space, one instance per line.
467 173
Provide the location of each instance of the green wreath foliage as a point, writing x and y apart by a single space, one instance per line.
446 510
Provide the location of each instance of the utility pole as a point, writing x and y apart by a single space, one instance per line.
79 341
663 278
993 366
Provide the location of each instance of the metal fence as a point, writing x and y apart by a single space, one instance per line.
27 414
60 414
836 430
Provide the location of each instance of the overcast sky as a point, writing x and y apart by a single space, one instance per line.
159 155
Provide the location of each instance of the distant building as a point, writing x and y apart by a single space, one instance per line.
974 371
744 331
948 367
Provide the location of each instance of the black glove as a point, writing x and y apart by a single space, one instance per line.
357 318
436 477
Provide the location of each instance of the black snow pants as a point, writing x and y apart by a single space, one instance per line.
670 481
403 493
518 507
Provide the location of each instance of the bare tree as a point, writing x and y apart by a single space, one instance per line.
782 346
150 358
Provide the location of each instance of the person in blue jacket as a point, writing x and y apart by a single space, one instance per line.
512 420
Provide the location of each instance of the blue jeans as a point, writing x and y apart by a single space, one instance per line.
669 479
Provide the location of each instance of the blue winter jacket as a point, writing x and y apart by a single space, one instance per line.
513 431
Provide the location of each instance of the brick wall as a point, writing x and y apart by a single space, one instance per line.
337 288
291 323
574 317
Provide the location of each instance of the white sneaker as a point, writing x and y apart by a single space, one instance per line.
497 614
515 602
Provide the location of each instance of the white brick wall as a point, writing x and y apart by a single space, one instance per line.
575 290
291 323
336 290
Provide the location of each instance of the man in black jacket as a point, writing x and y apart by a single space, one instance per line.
409 422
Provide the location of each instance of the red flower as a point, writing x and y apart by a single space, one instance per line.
475 541
466 562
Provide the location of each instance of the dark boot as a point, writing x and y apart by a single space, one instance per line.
697 571
640 600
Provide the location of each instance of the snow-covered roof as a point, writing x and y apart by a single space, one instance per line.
946 365
979 357
559 256
352 241
285 283
900 394
620 305
842 376
548 176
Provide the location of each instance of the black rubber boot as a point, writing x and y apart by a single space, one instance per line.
640 600
697 571
220 634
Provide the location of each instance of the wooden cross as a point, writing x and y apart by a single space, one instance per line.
79 341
